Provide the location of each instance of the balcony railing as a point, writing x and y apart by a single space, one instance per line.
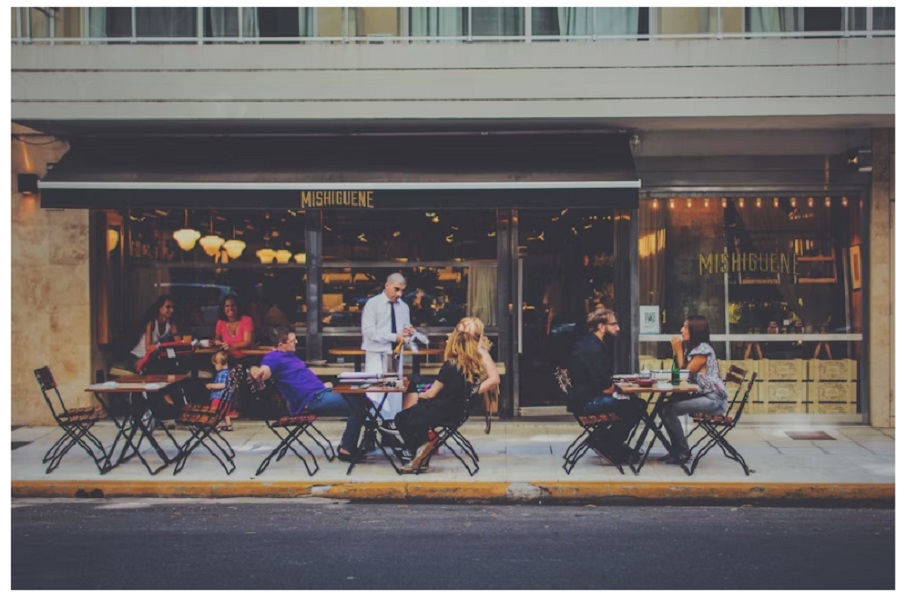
51 26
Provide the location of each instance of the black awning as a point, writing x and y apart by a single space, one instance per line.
375 171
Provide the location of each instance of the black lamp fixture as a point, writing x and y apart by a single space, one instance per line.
28 183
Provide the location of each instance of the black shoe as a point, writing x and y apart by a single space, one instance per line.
627 455
390 435
357 456
679 459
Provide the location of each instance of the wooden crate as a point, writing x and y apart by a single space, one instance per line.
782 391
748 365
783 407
832 408
794 369
832 391
650 363
754 393
832 370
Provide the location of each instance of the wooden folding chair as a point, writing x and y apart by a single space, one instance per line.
449 436
737 376
202 421
592 427
716 427
76 424
289 430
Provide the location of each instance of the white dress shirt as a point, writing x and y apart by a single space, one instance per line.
376 323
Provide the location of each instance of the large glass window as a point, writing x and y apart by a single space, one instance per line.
778 277
572 21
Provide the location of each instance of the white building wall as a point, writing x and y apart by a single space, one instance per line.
620 83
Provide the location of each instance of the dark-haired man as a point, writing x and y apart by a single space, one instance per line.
591 371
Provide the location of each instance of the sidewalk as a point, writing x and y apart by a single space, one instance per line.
521 461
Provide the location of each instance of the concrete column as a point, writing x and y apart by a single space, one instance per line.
880 350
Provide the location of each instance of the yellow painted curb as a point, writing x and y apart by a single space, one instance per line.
524 492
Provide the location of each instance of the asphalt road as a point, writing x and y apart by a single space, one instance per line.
304 544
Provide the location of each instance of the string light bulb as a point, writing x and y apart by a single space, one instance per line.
706 203
793 203
689 203
828 201
671 202
775 201
741 202
759 203
809 202
655 203
844 202
724 202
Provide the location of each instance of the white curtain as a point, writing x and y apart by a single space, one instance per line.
576 21
436 21
617 21
768 19
481 296
223 22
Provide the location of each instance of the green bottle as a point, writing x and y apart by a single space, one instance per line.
676 372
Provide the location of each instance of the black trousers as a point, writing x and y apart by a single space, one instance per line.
629 412
415 422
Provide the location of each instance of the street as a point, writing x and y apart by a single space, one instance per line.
144 543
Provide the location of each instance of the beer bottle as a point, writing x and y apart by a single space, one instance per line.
676 372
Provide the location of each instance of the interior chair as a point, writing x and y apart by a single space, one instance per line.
716 427
76 424
448 435
289 429
592 428
202 422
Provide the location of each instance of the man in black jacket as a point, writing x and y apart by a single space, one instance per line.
591 371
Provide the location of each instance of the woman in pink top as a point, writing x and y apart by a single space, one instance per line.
234 330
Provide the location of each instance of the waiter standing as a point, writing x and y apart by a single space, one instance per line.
385 323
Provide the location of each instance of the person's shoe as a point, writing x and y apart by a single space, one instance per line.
390 433
421 456
679 459
346 456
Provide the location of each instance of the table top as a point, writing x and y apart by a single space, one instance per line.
136 383
360 352
258 351
355 388
633 388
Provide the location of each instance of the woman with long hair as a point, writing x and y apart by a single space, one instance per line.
156 324
234 329
692 351
467 362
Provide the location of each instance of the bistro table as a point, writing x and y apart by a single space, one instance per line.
650 418
373 410
358 355
135 388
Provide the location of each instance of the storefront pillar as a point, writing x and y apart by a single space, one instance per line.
313 284
881 278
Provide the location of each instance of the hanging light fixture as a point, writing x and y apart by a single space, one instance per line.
186 237
234 247
265 256
283 256
211 243
300 258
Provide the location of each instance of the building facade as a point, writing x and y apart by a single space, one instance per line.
520 164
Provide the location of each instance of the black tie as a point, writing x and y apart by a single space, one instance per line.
393 319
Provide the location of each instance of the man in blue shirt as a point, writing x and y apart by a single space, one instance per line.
304 391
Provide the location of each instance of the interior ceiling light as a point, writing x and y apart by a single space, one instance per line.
186 237
300 258
234 248
265 255
283 256
211 243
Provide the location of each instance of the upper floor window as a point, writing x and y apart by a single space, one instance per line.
570 21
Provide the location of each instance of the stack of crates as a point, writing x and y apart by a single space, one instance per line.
783 385
832 386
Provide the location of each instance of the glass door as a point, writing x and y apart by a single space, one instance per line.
566 269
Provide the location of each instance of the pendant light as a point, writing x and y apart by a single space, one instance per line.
300 258
234 247
186 237
283 256
265 255
211 243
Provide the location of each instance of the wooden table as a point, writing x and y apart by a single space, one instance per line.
649 419
257 351
373 412
358 355
136 388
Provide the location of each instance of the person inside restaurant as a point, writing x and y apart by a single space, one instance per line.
156 326
234 329
591 371
303 391
692 351
467 362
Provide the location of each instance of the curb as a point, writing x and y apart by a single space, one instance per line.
551 492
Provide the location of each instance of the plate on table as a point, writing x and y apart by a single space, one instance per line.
664 386
645 381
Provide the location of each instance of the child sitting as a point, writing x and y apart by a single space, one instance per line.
220 362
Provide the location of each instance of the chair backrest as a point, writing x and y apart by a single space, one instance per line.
47 383
226 400
744 397
735 375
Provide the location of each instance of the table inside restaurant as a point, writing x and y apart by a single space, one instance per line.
661 391
373 411
358 355
136 388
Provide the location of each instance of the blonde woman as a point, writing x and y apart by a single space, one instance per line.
467 362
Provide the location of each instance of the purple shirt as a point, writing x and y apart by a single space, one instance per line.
293 379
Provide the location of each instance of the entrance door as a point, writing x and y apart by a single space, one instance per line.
567 264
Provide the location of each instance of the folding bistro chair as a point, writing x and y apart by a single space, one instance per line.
202 421
75 423
735 375
289 429
592 427
716 427
449 436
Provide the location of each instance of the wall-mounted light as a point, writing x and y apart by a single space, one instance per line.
28 184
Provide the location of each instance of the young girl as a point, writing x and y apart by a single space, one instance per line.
220 362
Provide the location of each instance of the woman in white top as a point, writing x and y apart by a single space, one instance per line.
157 323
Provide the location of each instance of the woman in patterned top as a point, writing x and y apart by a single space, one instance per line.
693 351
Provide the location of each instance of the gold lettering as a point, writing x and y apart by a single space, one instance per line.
785 264
706 262
753 262
333 198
